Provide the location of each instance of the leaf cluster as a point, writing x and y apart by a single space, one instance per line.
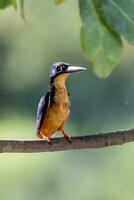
104 24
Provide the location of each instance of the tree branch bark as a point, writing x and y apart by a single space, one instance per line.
60 144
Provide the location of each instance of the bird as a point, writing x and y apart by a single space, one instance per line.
54 106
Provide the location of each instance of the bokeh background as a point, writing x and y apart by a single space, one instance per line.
27 49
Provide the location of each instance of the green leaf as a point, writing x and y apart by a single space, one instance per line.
57 2
101 45
4 3
119 15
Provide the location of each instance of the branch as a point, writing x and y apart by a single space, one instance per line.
60 144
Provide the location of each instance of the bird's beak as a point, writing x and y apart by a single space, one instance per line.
72 69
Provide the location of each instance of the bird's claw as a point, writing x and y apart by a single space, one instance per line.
46 139
68 138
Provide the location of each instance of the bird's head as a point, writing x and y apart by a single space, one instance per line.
62 70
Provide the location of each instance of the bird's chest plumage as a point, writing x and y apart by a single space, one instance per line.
58 112
61 104
61 101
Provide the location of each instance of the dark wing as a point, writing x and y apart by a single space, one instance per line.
43 106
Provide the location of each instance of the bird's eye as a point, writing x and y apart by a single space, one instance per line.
64 67
58 68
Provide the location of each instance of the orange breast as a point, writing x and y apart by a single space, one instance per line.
57 115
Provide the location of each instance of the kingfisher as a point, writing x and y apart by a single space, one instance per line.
54 106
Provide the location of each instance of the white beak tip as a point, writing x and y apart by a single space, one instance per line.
76 69
83 68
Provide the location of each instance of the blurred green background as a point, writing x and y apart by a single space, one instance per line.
27 49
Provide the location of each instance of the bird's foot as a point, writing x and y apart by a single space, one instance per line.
42 136
67 137
48 140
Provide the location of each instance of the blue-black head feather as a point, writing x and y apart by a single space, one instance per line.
58 68
61 68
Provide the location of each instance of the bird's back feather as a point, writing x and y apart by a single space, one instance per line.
45 103
43 106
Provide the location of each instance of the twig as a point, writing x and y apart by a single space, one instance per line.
60 144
